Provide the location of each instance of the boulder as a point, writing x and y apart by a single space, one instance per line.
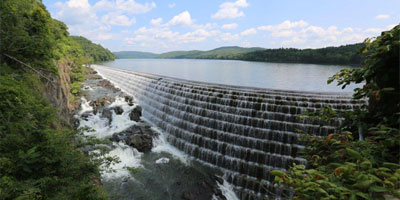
107 84
141 142
137 136
136 113
126 134
188 196
94 76
129 100
107 114
86 115
118 110
101 102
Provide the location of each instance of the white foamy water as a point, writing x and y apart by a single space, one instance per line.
100 125
128 156
85 106
227 191
162 161
160 144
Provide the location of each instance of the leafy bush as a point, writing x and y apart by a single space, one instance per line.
38 161
361 162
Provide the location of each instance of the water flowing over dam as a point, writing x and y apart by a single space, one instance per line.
243 131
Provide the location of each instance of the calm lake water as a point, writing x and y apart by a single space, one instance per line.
286 76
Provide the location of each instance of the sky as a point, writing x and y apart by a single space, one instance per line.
170 25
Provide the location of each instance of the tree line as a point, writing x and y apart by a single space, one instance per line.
39 152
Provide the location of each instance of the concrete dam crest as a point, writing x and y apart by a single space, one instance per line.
243 131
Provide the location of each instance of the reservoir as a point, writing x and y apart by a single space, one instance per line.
283 76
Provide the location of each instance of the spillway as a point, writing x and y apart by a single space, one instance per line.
244 131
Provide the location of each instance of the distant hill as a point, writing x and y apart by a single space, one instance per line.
135 54
343 55
227 52
221 52
93 51
181 54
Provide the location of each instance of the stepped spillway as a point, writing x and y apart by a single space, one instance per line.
245 132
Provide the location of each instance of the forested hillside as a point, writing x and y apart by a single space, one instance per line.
343 55
222 52
40 70
346 55
135 54
95 52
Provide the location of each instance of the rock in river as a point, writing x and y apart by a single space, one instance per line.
136 113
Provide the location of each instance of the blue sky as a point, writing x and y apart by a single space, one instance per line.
160 26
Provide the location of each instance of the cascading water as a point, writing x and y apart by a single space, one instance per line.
245 132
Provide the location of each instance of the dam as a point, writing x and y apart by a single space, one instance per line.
243 131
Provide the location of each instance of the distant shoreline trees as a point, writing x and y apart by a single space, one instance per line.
342 55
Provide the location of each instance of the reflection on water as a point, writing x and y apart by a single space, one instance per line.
307 77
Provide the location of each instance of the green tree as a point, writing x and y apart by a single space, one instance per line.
361 162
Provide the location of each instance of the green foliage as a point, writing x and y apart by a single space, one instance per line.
38 161
361 162
26 33
341 168
344 55
380 74
133 170
135 54
38 156
93 52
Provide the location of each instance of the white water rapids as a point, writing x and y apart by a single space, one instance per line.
129 156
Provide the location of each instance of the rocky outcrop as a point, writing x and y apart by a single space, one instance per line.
136 113
141 142
138 136
101 94
101 102
106 84
58 92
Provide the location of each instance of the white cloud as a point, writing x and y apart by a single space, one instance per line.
183 19
171 5
373 30
127 6
103 36
82 19
300 34
205 26
382 16
283 34
230 10
73 11
378 31
388 27
249 31
163 36
246 44
284 25
229 26
348 30
198 35
225 37
117 19
156 22
78 4
294 41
